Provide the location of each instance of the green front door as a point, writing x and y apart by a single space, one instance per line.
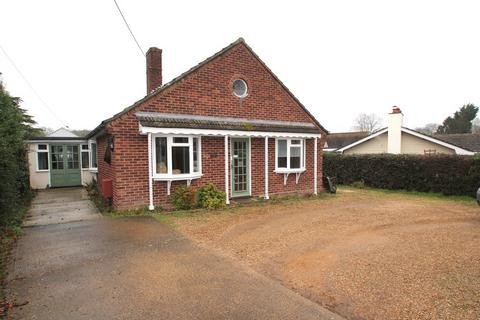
240 167
65 165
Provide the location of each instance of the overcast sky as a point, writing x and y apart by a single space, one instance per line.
340 58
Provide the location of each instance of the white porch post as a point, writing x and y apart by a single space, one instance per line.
315 191
227 198
150 187
266 169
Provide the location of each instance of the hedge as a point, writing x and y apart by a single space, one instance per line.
15 127
447 174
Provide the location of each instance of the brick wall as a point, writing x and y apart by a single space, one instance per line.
207 91
105 170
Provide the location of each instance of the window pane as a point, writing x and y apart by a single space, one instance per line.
295 142
84 146
180 160
42 147
42 161
196 164
282 162
295 157
94 155
161 155
85 159
180 140
303 153
282 154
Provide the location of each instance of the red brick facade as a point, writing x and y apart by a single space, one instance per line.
207 91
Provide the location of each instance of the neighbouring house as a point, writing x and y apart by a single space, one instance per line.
397 139
339 140
228 121
61 159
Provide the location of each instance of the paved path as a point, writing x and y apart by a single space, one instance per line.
137 268
60 206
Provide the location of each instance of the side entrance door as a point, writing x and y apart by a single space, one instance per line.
240 167
65 165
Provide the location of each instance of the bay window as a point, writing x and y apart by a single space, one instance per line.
42 157
176 157
290 155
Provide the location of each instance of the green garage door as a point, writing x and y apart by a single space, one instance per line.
65 165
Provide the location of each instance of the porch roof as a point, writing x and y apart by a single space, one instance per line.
169 120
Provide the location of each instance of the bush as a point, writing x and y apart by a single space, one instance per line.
210 197
183 198
447 174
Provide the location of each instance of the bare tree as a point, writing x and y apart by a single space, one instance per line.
429 128
367 122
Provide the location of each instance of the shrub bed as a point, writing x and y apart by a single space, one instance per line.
207 197
447 174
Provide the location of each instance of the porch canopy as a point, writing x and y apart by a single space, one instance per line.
187 124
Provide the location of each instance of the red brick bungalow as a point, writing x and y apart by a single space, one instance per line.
218 122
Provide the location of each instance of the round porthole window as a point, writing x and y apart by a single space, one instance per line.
240 88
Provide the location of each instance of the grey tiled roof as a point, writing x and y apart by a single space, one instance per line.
342 139
469 141
169 120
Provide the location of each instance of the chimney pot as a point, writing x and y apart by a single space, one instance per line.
154 69
396 109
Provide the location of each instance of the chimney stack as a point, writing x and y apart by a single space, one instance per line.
154 69
395 123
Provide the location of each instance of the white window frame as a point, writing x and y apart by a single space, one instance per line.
81 155
302 145
90 158
246 89
169 175
42 151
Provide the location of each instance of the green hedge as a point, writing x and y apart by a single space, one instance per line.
447 174
15 127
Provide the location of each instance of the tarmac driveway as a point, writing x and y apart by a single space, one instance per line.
137 268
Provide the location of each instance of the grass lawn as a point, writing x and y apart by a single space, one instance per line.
362 253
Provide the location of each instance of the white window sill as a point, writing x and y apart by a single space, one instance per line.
280 170
42 170
94 170
177 177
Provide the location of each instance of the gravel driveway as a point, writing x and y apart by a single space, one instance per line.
133 268
362 254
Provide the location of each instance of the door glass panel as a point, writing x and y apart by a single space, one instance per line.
72 157
57 157
239 163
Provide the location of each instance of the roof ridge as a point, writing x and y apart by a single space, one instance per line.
349 132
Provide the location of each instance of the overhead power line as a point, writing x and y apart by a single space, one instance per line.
128 27
32 88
